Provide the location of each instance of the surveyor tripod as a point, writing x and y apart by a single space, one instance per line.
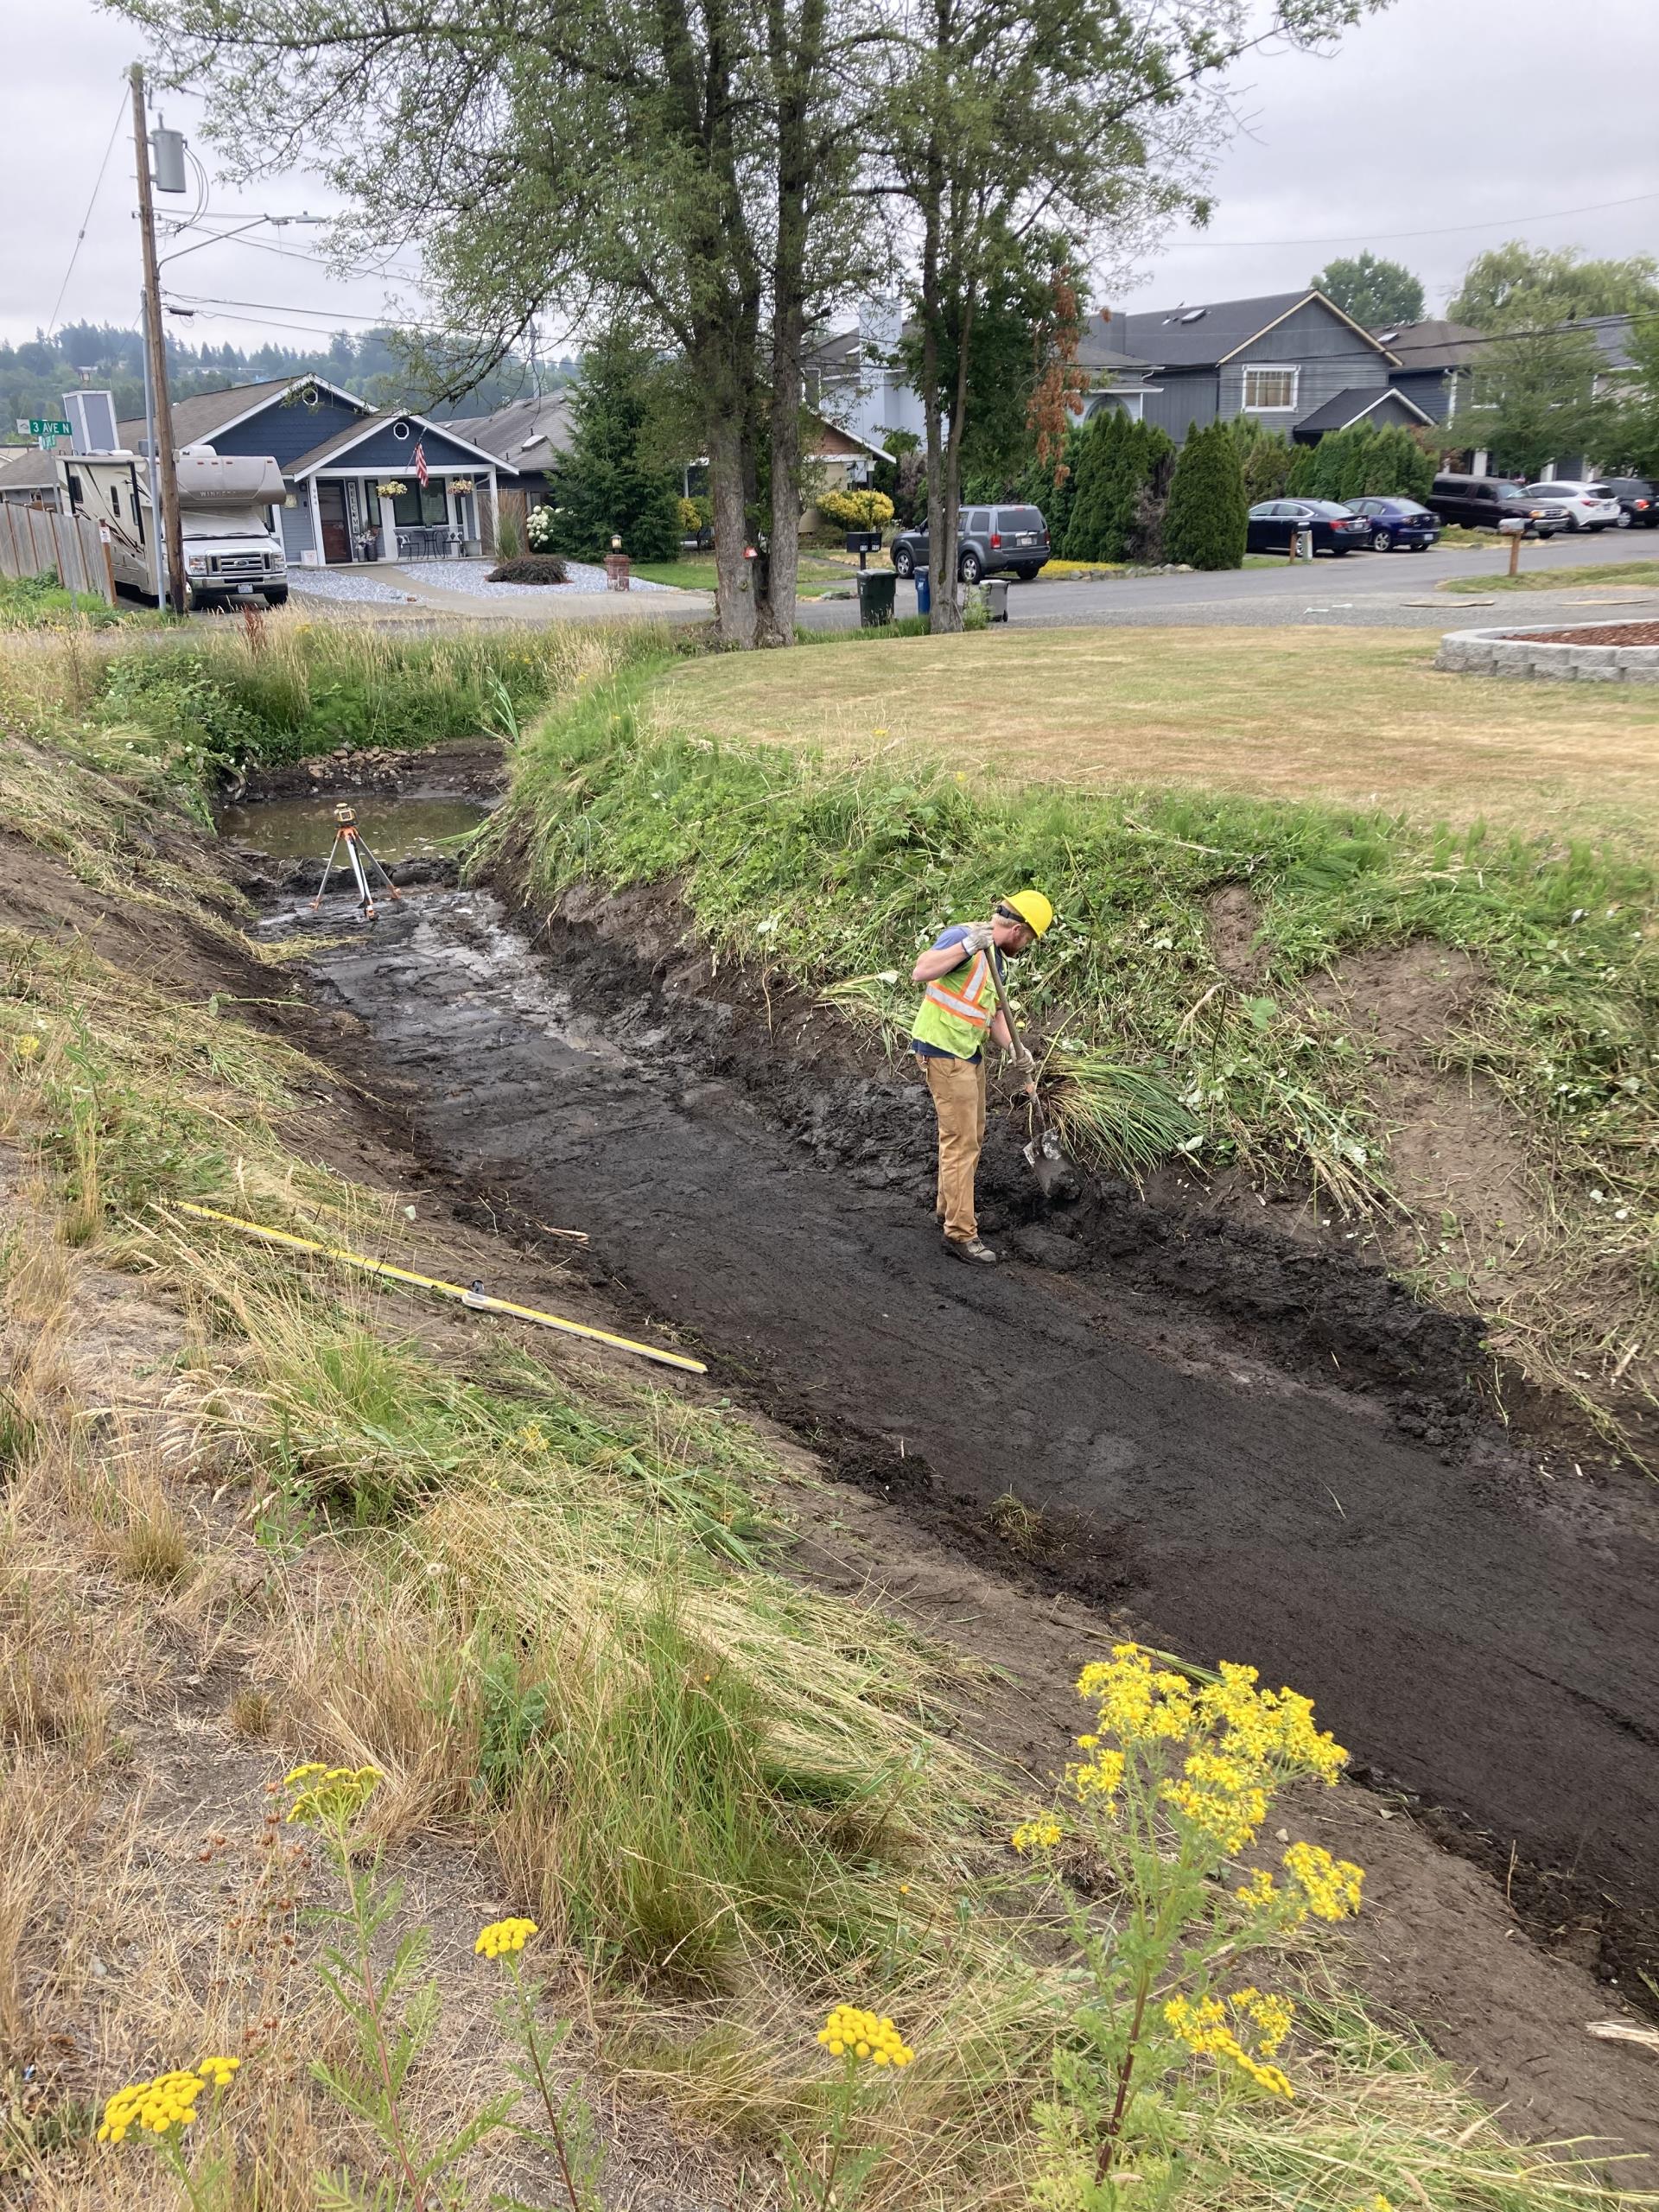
356 853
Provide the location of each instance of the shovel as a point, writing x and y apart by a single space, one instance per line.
1043 1154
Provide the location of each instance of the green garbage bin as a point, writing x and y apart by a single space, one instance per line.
876 587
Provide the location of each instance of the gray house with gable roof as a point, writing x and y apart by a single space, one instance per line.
1292 361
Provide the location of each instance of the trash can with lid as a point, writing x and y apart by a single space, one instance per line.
923 592
876 587
995 589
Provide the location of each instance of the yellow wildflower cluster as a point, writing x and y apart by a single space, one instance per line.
164 2103
1378 2203
1037 1835
1240 1741
1202 2026
1330 1886
502 1937
850 2033
325 1796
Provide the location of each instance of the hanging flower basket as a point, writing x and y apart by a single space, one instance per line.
460 484
391 491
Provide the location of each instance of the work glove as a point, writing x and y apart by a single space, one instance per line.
980 937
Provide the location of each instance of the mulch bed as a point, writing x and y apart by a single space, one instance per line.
1604 633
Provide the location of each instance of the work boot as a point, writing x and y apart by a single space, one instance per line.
971 1249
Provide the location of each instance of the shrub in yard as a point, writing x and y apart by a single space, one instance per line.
611 484
508 543
531 569
856 510
1205 521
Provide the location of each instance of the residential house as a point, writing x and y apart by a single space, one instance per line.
529 435
336 451
1291 360
852 381
1115 378
1437 359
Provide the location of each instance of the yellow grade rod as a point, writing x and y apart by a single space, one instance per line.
479 1302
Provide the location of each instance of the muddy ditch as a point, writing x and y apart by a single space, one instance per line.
1239 1445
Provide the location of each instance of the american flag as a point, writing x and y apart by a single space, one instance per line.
422 471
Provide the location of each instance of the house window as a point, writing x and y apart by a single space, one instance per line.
1267 389
416 507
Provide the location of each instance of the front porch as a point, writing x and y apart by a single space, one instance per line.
361 515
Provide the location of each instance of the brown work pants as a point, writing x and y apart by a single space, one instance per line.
959 1088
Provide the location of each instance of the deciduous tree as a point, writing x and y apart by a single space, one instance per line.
1371 290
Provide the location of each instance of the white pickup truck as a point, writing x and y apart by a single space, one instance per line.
227 502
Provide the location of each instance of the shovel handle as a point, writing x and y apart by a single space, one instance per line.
1012 1028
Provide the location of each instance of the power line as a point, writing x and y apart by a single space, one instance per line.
81 235
1351 238
280 307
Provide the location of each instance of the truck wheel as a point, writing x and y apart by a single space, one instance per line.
277 597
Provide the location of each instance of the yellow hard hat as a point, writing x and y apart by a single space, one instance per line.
1033 909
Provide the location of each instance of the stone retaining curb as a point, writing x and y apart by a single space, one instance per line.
1520 653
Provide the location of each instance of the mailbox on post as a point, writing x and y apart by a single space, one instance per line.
863 542
1515 529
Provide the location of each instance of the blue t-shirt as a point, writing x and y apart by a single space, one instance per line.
954 935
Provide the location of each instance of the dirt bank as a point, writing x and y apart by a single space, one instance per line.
1483 1642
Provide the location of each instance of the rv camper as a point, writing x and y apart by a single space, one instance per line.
232 553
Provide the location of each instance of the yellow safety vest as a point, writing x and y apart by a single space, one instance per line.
957 1008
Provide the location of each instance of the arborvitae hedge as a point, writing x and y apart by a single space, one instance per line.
1356 463
1119 461
1205 522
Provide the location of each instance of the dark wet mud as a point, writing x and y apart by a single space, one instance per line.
1473 1641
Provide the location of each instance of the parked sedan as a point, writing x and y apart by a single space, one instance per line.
1638 500
1587 506
1335 530
1398 522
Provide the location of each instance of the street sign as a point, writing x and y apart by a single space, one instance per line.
44 426
47 443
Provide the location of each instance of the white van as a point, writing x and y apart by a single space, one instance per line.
232 550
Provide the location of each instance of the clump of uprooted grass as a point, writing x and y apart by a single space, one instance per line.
834 876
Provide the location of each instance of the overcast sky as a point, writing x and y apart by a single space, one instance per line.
1440 127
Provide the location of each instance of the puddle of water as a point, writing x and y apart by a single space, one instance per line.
393 828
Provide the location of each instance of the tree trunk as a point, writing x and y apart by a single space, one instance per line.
796 57
944 615
728 468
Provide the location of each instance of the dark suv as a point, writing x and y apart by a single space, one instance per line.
1483 502
987 539
1638 501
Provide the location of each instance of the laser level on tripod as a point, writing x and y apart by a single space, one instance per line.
356 853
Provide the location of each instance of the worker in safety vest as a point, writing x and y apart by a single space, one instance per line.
957 1012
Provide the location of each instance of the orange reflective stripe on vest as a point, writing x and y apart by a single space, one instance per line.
972 1003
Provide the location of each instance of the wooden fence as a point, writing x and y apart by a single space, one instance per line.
34 539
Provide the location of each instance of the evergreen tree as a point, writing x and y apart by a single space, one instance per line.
1101 450
610 485
1205 521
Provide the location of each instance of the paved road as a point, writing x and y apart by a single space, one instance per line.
1359 588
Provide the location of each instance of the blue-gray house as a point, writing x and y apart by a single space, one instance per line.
353 471
1292 361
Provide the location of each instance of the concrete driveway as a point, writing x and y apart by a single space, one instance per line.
1392 590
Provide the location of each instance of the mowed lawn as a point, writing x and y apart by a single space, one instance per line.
1358 716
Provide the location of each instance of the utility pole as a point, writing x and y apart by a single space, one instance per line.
170 529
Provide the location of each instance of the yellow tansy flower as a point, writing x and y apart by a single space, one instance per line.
503 1938
850 2033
